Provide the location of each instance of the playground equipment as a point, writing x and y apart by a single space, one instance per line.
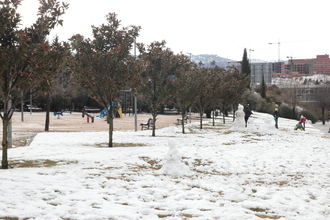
90 118
103 113
86 111
118 113
58 114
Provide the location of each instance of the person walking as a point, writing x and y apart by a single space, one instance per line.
276 116
247 113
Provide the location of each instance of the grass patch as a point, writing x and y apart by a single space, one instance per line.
39 163
278 183
12 218
229 132
199 162
164 215
9 218
153 163
186 215
268 216
258 209
105 145
229 143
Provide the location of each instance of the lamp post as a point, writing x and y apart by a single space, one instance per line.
291 64
135 98
292 88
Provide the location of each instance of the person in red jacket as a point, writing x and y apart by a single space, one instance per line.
303 120
301 123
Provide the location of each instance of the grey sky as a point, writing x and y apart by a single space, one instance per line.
222 27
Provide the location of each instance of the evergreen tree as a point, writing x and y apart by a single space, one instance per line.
263 87
245 66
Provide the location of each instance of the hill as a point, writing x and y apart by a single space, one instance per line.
207 60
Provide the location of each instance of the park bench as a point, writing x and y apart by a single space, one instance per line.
147 125
185 120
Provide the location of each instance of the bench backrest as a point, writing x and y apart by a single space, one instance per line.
150 121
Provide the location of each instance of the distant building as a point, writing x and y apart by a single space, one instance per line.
290 68
318 65
261 70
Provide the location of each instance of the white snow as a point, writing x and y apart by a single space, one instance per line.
225 172
302 81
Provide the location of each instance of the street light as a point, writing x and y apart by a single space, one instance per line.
291 65
292 88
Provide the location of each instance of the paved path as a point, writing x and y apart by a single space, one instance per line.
23 132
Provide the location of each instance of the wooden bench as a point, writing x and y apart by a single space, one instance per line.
185 120
147 125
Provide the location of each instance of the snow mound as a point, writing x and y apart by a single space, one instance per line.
172 162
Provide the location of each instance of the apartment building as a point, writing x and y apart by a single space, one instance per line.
318 65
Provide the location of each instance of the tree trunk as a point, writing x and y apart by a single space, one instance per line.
182 121
47 112
213 118
10 128
30 101
201 119
223 115
110 122
234 113
154 125
4 162
323 115
22 106
294 112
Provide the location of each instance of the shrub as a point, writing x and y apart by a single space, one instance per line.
309 116
286 112
265 107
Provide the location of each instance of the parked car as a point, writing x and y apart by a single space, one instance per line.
33 108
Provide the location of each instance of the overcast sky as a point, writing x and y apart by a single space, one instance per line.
221 27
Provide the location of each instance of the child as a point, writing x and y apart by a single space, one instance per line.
301 123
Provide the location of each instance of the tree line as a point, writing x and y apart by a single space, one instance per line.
104 65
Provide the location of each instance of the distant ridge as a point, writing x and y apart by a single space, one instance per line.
207 59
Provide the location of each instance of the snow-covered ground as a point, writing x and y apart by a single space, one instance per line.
305 81
225 172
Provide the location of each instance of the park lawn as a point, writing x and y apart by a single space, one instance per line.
222 172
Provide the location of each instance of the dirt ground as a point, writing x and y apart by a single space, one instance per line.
23 132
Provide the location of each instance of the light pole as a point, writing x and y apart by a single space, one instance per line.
292 88
291 64
135 98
